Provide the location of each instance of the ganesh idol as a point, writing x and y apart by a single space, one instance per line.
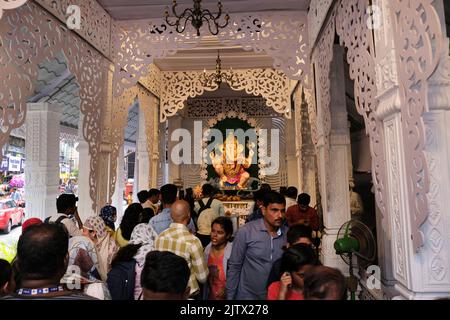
231 164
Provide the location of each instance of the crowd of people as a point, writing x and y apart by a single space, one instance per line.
169 246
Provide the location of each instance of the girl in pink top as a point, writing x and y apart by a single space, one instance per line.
294 262
217 253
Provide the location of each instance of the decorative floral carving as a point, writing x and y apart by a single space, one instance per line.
434 226
95 26
438 268
29 35
146 100
357 38
205 108
395 200
323 55
152 81
418 35
386 75
138 43
272 85
119 121
282 35
317 13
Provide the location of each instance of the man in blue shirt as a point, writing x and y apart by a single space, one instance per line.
256 246
163 220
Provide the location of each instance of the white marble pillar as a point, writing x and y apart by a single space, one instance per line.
155 145
117 198
174 173
337 192
422 274
142 155
85 202
291 157
308 157
42 150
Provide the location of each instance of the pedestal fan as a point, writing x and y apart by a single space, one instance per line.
355 243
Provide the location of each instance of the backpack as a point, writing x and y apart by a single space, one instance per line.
59 220
206 215
121 280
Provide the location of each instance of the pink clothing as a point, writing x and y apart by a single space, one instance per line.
217 279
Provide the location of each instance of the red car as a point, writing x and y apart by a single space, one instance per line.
10 215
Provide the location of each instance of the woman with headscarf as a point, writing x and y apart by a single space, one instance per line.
105 245
145 235
83 254
109 215
91 253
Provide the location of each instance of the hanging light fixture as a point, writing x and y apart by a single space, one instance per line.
197 16
217 77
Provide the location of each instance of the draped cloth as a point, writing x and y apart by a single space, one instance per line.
106 246
143 234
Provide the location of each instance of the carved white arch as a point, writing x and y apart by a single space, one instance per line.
282 35
416 26
272 85
28 36
121 107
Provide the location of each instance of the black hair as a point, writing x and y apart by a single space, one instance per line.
298 256
273 197
42 250
321 280
126 253
143 196
304 199
189 192
65 201
208 190
165 272
298 231
130 219
265 187
146 215
153 192
225 223
5 272
259 195
291 192
169 193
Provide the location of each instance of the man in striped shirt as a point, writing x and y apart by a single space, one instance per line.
177 239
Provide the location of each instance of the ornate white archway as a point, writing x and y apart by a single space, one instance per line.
29 35
272 85
282 35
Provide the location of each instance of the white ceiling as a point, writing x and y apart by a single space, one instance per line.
144 9
204 56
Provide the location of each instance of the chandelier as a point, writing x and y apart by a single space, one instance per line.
217 77
197 16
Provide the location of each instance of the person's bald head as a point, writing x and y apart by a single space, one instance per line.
181 212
